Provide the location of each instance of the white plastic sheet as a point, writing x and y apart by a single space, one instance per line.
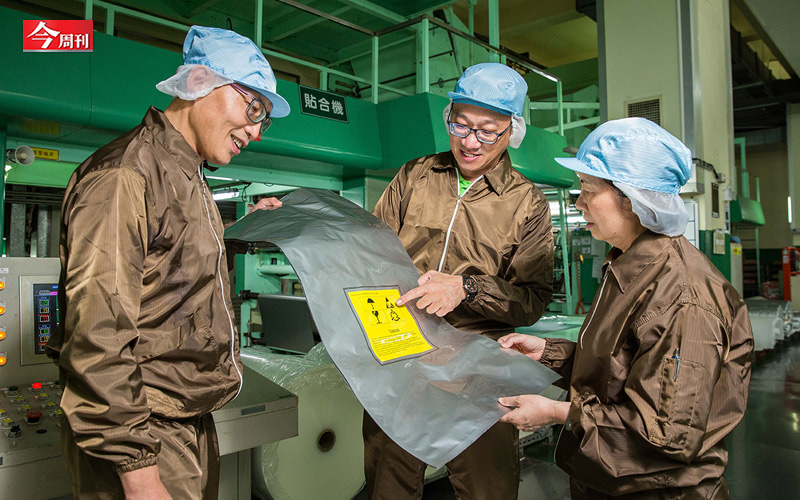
433 405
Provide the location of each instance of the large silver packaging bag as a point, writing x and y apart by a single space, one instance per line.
431 387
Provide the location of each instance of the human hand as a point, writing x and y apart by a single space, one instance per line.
529 345
270 203
531 412
437 293
143 484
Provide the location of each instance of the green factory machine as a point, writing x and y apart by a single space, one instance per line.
68 104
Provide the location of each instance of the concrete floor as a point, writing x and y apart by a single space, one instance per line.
764 448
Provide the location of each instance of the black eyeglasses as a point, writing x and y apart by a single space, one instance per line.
256 111
484 136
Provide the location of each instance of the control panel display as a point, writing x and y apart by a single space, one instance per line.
45 314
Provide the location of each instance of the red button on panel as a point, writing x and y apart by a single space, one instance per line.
33 417
36 385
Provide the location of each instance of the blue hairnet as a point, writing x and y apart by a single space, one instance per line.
232 58
493 86
634 151
647 163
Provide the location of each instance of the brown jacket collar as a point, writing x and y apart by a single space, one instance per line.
173 141
497 178
645 250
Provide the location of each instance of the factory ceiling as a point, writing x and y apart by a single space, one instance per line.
551 33
765 62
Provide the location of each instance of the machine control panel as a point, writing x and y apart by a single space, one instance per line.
30 416
45 314
28 317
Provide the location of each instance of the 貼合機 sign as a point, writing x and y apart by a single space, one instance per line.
323 104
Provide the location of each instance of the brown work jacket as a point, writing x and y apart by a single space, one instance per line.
659 374
500 232
147 324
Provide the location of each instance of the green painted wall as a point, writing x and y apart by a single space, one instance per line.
574 77
721 261
411 127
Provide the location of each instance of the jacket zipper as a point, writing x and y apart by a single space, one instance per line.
453 218
219 280
597 303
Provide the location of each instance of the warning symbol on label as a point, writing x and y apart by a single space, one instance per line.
391 331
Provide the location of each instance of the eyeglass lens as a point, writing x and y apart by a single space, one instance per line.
256 111
484 136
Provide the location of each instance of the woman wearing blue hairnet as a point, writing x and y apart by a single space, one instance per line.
660 372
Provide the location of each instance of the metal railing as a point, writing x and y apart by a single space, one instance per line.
566 122
744 187
425 22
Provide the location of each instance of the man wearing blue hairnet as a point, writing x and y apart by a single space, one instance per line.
481 233
147 346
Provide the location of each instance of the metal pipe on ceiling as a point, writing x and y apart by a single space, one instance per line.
337 20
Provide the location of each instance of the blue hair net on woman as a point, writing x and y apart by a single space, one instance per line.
645 162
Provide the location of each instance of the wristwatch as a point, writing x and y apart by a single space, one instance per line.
471 287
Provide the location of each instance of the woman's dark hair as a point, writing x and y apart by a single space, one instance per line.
622 198
616 190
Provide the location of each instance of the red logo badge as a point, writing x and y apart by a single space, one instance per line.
57 36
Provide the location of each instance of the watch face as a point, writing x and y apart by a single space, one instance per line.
470 284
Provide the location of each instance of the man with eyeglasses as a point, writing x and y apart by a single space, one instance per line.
481 233
147 347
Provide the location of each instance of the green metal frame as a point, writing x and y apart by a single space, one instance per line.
562 212
745 192
424 28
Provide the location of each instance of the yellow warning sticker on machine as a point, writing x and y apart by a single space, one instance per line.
390 330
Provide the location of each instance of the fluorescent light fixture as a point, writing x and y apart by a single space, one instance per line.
220 178
789 201
574 191
226 195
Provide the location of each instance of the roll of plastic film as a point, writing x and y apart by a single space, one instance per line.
325 460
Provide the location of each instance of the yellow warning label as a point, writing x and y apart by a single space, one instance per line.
391 330
46 154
